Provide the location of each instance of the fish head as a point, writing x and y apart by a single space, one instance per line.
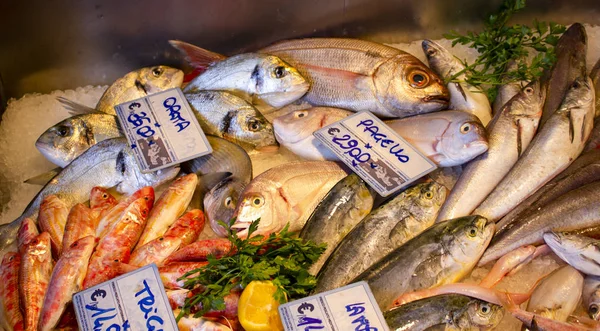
464 140
580 94
251 128
298 125
66 140
425 199
99 197
481 315
277 83
591 296
159 78
467 238
439 58
260 201
220 203
581 252
132 178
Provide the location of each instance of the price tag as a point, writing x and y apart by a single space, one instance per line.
134 301
375 152
347 308
162 130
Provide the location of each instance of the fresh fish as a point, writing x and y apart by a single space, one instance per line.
361 75
595 76
188 227
447 176
591 296
287 193
578 251
171 274
584 170
105 223
52 218
27 232
200 324
453 311
225 115
381 232
171 204
508 90
463 96
220 203
448 138
200 250
557 296
67 279
11 317
295 131
110 163
444 253
570 64
117 244
263 80
509 134
594 140
80 224
34 276
348 202
552 150
101 199
571 211
66 140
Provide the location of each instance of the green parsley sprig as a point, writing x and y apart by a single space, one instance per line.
280 257
499 45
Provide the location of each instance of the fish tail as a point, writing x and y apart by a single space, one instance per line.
8 233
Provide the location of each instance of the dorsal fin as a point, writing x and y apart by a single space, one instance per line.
196 56
75 108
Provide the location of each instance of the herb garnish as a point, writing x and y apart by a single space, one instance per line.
499 45
279 257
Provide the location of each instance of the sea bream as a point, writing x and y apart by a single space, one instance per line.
362 75
578 251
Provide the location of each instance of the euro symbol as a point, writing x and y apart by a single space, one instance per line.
333 131
304 307
98 293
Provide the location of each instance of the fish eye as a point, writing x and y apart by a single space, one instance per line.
465 128
254 126
104 196
472 232
593 309
228 201
300 114
529 90
485 309
63 130
431 51
418 79
429 195
157 71
576 84
279 72
257 201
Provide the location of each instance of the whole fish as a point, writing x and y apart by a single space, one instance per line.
52 218
557 296
570 64
26 233
362 75
117 244
34 276
110 163
66 140
379 233
578 251
67 279
287 193
552 150
509 134
220 202
225 115
448 138
453 311
348 202
11 317
169 206
444 253
584 170
295 131
463 96
104 224
591 296
571 211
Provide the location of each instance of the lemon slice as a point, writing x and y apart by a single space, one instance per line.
257 309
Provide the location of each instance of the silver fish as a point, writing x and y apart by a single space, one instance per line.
443 254
109 163
508 90
448 138
552 150
463 96
383 230
66 140
348 202
578 251
591 296
361 75
220 202
295 131
557 296
509 134
225 115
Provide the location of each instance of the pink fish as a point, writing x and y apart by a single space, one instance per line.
80 223
9 292
199 250
27 232
104 224
52 218
188 227
101 202
169 274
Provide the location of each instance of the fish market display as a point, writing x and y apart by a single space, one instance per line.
509 134
578 251
453 311
463 96
11 317
295 131
383 230
348 202
591 296
442 254
34 277
361 75
448 138
554 148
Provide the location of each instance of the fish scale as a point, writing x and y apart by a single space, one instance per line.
10 310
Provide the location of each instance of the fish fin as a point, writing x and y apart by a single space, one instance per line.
196 56
519 139
75 108
44 178
590 260
571 126
461 90
397 233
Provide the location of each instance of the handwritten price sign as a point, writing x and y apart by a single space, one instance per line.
375 152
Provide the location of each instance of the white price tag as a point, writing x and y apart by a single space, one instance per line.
375 152
134 301
347 308
162 130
